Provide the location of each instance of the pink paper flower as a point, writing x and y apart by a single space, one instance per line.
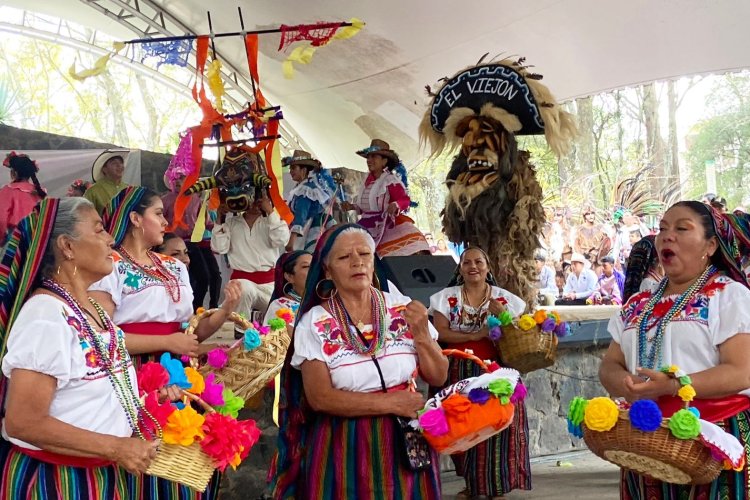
519 393
217 358
433 421
213 393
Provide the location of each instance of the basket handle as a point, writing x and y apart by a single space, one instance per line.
233 317
463 354
198 400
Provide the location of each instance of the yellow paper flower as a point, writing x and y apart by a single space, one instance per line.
601 414
540 316
183 427
686 392
526 322
200 310
673 369
198 385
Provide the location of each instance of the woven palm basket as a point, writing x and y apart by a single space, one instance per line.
482 428
187 465
527 351
247 372
657 454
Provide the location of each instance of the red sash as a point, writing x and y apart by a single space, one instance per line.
712 410
259 277
151 328
483 349
64 460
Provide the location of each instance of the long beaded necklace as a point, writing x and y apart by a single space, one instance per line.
649 359
474 321
158 272
292 294
377 304
106 355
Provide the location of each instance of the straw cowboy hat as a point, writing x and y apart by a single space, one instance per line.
577 257
379 147
301 157
102 159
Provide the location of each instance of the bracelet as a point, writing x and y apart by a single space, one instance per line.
685 389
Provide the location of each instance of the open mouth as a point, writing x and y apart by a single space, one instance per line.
481 159
667 255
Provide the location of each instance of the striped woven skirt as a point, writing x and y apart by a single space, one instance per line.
145 487
395 239
730 485
500 464
362 458
26 478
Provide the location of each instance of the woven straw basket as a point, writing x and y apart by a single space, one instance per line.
527 351
246 373
187 465
483 427
656 454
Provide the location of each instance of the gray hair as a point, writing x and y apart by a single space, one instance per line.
353 230
67 218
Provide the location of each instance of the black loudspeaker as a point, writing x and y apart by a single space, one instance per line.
420 276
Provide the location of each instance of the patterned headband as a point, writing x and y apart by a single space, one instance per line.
116 216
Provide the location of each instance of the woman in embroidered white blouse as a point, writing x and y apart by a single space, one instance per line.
357 349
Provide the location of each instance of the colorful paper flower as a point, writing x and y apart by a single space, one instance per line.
576 430
213 393
232 404
694 411
526 322
218 358
227 441
672 369
160 411
519 393
562 330
197 384
493 367
548 325
685 380
456 405
176 371
252 339
433 422
479 395
506 318
554 315
684 425
452 301
577 409
645 415
501 388
540 316
686 393
276 324
601 414
495 333
285 314
183 427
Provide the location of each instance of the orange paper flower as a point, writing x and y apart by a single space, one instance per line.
540 316
184 427
198 385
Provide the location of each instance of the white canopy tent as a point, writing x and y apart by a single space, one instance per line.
373 84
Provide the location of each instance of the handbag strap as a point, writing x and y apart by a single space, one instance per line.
374 359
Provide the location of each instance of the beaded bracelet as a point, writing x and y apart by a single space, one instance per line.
686 392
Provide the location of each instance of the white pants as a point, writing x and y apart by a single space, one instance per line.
254 296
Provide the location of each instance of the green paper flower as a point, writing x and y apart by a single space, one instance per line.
576 410
277 324
685 380
232 404
500 388
506 318
684 425
504 400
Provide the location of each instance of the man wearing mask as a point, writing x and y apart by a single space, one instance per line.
107 173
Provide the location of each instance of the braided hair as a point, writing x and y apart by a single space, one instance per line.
25 169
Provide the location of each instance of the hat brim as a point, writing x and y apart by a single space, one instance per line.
364 153
96 169
307 163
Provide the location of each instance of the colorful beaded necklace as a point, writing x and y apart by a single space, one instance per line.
106 356
158 272
649 359
357 344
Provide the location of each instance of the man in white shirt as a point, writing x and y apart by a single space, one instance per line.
580 284
252 242
546 287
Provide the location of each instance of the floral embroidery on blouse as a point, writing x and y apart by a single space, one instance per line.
696 310
465 318
136 281
93 359
334 341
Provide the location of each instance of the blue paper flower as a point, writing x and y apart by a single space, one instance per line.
252 339
645 415
695 411
576 430
495 333
493 321
176 371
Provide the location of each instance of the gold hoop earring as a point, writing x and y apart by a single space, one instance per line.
75 270
58 270
326 283
376 280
